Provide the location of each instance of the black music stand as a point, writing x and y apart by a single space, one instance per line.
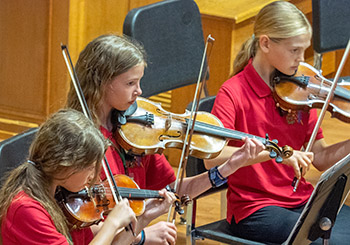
320 212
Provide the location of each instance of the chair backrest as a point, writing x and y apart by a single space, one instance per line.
14 151
331 26
194 165
171 33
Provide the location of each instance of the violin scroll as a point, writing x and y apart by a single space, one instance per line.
179 202
276 152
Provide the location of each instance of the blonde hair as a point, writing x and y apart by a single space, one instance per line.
103 59
67 140
278 20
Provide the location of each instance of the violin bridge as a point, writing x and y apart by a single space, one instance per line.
88 190
168 122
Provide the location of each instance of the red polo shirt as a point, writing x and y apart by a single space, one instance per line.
151 172
28 222
245 103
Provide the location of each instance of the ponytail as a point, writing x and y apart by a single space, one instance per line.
247 51
278 20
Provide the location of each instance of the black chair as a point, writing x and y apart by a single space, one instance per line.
15 150
171 33
331 29
218 230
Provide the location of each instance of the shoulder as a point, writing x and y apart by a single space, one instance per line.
25 210
237 81
28 222
234 88
231 91
23 203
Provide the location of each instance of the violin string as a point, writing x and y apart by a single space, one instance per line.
230 132
126 189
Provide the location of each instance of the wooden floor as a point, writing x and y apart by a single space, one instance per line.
208 208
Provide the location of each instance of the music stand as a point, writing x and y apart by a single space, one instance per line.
320 212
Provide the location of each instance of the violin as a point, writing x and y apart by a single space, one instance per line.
89 206
151 129
309 89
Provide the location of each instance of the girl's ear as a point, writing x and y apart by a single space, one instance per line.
264 43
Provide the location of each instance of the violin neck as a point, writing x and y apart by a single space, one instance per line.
342 93
137 194
230 134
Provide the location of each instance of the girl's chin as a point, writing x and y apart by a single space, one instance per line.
122 108
290 72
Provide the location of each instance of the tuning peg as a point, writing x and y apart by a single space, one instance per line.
273 154
275 141
279 159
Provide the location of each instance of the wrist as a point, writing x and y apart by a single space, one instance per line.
143 221
140 239
216 178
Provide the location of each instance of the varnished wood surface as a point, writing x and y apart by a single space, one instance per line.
34 80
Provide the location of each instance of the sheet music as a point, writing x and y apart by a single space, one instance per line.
324 186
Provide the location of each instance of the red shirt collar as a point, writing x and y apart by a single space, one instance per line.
258 85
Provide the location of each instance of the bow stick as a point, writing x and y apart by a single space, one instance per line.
191 122
330 95
116 195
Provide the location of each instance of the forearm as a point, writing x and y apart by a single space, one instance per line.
226 154
105 235
194 186
327 156
126 237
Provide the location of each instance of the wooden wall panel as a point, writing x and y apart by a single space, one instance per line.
34 80
90 19
24 47
57 71
31 75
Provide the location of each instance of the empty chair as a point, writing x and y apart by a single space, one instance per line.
171 33
15 150
331 29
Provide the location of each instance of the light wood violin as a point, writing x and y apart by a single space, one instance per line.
151 129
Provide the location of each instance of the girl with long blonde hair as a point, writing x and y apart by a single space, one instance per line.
261 203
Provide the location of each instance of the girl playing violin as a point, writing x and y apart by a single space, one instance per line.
264 207
67 151
110 69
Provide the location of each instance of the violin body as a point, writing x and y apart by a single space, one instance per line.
151 129
88 206
167 130
309 89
